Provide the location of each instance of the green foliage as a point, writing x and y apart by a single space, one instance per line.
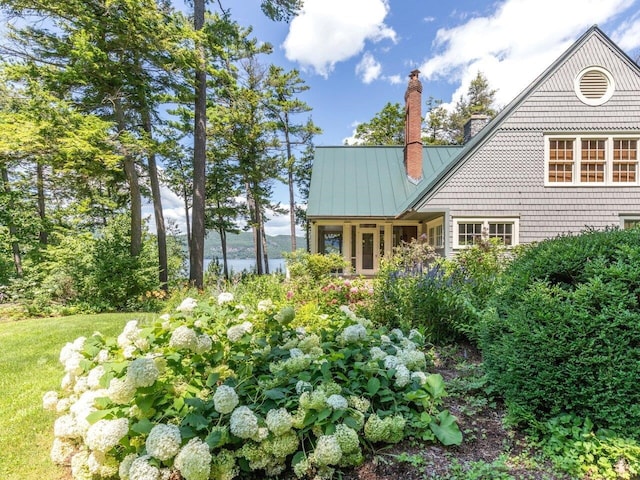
385 128
563 333
441 297
314 266
245 384
576 448
91 273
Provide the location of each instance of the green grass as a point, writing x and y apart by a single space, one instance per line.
29 367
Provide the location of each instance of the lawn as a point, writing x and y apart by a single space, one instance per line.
29 367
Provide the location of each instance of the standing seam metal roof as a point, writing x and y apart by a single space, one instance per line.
366 181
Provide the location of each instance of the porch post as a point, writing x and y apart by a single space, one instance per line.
346 243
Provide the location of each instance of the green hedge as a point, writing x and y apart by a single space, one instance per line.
564 333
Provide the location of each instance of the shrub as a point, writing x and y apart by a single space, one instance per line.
313 265
564 331
215 391
442 297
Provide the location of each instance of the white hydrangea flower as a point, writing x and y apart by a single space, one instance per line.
413 359
243 422
302 386
187 305
265 305
129 333
261 435
337 402
80 466
94 376
415 335
421 377
143 372
204 344
81 385
348 312
61 451
403 376
101 465
225 297
121 390
63 405
141 469
129 351
385 339
125 466
72 364
106 434
66 427
377 353
163 441
164 317
236 332
296 352
81 408
327 451
225 399
352 334
194 460
102 356
67 382
279 421
184 337
50 401
391 361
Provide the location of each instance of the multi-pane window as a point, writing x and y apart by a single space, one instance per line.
628 223
625 160
560 160
502 231
595 161
592 161
436 238
470 231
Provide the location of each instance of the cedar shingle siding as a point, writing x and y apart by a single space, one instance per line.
504 175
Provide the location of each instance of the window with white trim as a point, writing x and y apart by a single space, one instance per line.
468 231
630 221
591 160
436 236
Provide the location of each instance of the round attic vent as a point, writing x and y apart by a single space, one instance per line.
594 86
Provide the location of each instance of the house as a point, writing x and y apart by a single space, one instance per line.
561 157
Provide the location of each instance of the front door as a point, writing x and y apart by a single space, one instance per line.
367 251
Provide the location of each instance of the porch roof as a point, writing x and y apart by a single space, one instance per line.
365 181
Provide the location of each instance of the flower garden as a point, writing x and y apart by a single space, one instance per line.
308 377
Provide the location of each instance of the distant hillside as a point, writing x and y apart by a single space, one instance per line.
241 245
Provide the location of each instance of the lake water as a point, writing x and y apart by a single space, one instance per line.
237 265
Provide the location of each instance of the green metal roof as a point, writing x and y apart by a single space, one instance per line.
359 181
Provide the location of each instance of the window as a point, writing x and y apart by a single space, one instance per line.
470 231
599 160
436 237
330 239
629 222
625 160
404 233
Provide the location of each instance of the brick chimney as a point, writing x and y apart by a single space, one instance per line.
413 128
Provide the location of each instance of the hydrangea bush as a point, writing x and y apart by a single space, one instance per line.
219 391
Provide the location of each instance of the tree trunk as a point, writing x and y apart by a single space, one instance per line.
196 270
255 225
42 232
134 187
15 247
225 260
161 232
263 238
292 200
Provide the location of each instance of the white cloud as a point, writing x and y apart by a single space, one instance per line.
369 68
627 35
330 31
394 79
514 44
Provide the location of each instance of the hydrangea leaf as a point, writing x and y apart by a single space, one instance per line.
373 385
446 429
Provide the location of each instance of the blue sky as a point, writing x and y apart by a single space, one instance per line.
355 55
